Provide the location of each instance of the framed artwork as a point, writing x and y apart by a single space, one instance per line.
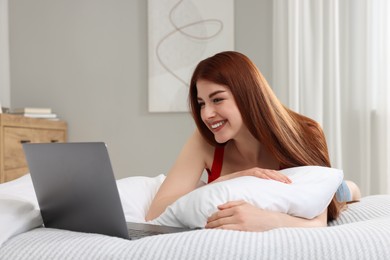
182 33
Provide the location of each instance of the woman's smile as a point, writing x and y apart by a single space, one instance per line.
215 127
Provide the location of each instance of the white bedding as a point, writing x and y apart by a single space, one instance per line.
19 210
365 234
362 232
308 195
16 216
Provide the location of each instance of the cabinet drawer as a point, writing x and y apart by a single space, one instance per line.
14 137
49 136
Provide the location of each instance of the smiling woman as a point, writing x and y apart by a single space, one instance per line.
243 130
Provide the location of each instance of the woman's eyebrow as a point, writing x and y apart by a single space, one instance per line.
216 93
213 94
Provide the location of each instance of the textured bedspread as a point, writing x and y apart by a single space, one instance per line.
362 232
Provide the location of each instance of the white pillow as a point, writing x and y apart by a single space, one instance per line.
308 195
136 195
21 187
17 216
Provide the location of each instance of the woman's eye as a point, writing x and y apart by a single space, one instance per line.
217 100
201 104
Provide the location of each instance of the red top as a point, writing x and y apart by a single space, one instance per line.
217 164
216 168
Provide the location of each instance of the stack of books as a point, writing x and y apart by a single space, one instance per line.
35 112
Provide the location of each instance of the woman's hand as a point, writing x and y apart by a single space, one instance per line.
257 172
240 215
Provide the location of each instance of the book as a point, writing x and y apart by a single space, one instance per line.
31 110
37 115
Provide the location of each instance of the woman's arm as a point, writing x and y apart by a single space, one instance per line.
187 170
240 215
183 177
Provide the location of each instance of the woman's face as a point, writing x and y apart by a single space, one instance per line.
219 111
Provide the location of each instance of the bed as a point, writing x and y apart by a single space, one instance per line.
361 232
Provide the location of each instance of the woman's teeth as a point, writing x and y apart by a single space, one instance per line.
213 126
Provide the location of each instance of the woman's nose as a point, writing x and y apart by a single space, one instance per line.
208 111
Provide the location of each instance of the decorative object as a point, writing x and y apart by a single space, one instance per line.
182 33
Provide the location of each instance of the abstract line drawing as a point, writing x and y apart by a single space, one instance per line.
181 33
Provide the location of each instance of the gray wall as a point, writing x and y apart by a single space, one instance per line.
87 59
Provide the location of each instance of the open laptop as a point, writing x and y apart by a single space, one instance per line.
76 190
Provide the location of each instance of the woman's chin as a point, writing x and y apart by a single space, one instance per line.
220 139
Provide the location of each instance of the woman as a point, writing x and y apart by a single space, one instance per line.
243 129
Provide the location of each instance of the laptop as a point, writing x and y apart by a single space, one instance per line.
76 190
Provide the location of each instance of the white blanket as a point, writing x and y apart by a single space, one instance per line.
362 232
368 219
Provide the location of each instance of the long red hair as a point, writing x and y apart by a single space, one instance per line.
295 140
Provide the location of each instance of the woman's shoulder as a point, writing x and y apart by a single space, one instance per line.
201 147
200 143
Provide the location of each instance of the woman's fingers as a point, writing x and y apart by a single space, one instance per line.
220 218
259 173
268 175
233 215
275 175
221 213
231 204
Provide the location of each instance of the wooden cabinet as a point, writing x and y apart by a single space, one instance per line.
15 130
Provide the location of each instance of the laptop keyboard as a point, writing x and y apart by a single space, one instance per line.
137 234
